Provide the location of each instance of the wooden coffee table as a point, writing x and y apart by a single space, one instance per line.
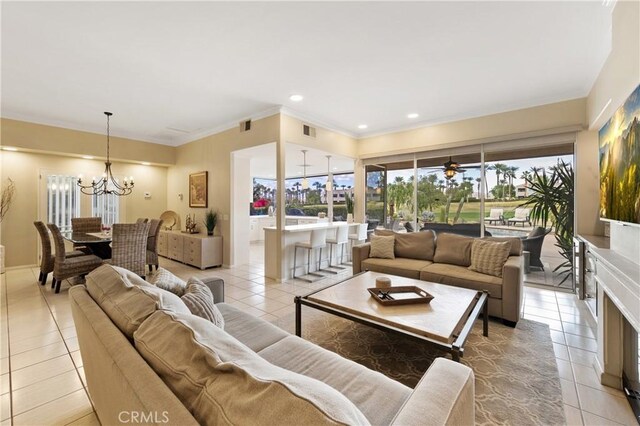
446 321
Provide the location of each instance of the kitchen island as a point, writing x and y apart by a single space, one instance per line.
280 268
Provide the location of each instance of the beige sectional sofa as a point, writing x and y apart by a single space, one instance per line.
148 361
445 259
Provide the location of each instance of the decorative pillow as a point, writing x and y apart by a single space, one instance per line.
221 381
199 300
382 246
453 249
412 245
167 281
516 244
488 257
127 299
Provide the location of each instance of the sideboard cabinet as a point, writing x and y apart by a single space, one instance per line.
198 250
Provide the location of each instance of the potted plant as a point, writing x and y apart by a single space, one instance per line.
551 200
349 203
210 221
5 202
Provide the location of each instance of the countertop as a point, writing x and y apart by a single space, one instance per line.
597 241
311 226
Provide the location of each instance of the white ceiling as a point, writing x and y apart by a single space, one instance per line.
201 66
263 161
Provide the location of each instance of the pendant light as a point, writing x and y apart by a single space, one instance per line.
107 184
329 185
305 182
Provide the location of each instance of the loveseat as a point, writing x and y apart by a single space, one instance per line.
148 361
445 259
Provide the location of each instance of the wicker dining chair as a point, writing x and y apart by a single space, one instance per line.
129 246
142 220
48 259
152 243
66 267
85 224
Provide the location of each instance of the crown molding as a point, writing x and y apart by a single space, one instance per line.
317 122
12 115
192 137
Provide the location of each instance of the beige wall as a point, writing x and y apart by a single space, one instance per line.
489 128
56 140
621 72
587 184
17 232
326 140
619 76
213 154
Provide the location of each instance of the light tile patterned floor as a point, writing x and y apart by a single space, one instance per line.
43 380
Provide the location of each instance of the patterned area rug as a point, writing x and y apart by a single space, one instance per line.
516 375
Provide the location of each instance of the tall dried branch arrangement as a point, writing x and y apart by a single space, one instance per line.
7 197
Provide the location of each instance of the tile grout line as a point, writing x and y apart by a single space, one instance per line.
5 291
64 341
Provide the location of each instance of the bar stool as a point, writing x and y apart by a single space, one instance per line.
317 241
359 235
341 239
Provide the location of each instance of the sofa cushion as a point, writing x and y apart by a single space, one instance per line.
249 330
412 245
460 276
128 299
199 300
221 381
382 246
516 244
167 281
453 249
401 266
350 378
488 257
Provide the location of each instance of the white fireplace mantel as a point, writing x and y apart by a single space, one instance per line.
618 281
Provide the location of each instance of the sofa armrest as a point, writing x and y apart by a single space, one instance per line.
444 396
216 285
359 253
512 278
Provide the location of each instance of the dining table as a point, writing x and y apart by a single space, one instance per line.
98 242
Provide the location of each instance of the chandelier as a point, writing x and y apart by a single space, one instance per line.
107 184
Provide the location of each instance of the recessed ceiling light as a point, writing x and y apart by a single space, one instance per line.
144 163
362 126
413 115
9 148
296 98
87 157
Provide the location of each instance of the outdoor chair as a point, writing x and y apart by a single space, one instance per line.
533 244
152 243
521 216
48 259
66 267
495 216
129 246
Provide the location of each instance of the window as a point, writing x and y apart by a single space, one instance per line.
107 207
63 200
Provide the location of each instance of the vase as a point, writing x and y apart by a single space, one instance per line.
209 233
349 217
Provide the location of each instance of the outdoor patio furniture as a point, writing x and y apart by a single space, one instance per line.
495 216
467 229
521 216
533 244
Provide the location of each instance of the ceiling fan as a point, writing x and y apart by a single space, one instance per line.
451 168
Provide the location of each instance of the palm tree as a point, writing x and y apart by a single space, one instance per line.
511 173
479 180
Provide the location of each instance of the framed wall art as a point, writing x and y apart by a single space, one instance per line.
198 189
